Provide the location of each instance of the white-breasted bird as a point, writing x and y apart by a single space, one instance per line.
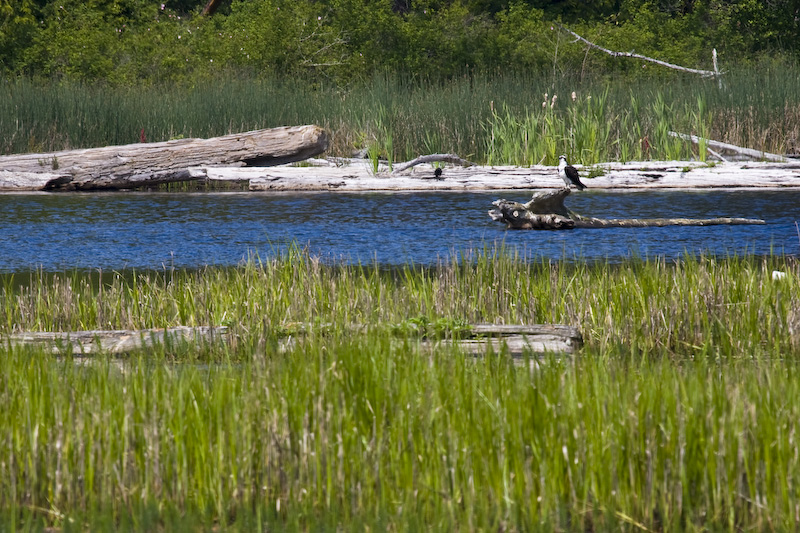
569 174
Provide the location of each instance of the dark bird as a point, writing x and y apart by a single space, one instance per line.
438 173
569 174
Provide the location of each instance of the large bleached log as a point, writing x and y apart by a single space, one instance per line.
546 210
357 175
144 164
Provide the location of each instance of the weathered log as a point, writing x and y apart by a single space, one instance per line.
518 338
145 164
590 222
536 338
112 341
354 175
546 210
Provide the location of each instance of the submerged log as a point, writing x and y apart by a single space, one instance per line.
590 222
515 338
112 341
144 164
546 210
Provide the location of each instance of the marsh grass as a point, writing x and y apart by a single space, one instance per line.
680 412
675 305
498 119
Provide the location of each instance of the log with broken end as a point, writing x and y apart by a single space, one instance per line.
144 164
546 210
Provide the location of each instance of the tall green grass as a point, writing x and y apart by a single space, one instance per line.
730 305
502 120
680 413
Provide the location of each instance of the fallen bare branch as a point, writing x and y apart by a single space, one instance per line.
755 154
447 158
704 73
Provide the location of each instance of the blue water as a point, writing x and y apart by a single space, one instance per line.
114 231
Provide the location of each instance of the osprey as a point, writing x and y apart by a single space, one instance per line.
569 174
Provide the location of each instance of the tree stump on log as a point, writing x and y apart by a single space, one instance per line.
546 210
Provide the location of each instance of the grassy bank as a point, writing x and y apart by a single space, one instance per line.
510 119
680 413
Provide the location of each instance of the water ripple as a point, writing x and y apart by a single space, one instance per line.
114 231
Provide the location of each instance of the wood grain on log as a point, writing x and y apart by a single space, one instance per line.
145 164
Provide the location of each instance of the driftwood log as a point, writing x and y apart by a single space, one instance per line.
144 164
113 341
519 338
546 210
515 338
342 174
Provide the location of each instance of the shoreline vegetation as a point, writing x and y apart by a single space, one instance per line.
680 412
507 119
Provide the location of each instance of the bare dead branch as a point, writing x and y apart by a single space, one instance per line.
754 154
447 158
704 73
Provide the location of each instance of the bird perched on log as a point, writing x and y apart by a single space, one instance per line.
569 174
437 174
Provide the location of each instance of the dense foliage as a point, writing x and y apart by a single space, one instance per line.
136 41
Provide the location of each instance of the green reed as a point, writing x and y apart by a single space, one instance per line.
679 413
502 119
731 304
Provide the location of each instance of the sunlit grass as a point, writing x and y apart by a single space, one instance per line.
679 413
731 303
509 119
